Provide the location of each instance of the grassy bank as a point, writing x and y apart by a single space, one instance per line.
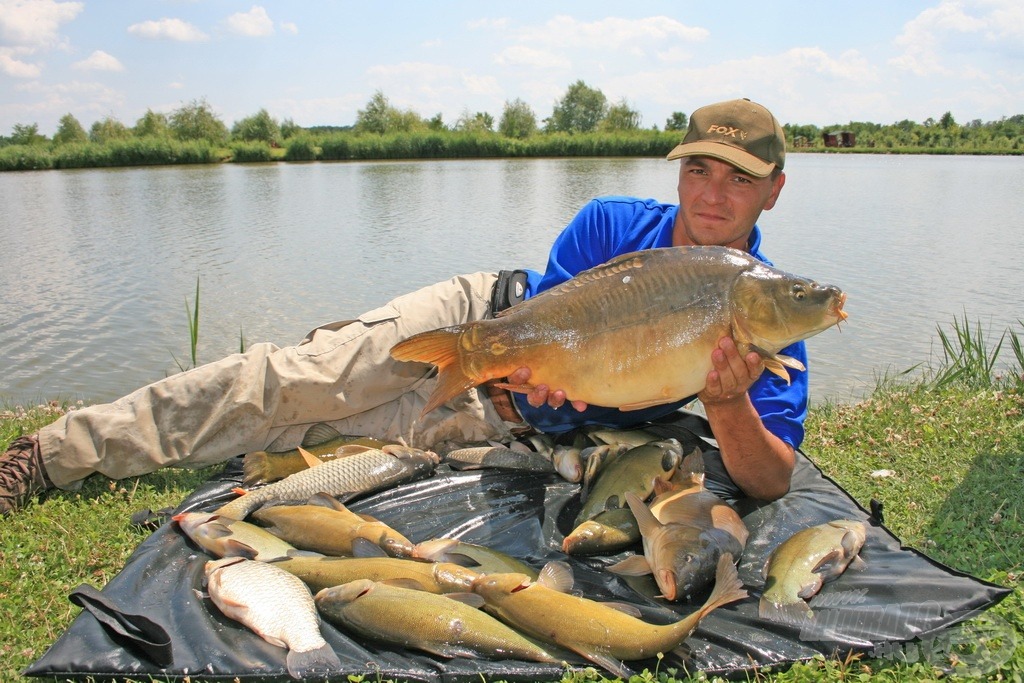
951 438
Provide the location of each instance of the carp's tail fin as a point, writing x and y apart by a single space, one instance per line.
441 348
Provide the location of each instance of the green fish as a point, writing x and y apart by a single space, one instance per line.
434 577
321 440
797 569
477 557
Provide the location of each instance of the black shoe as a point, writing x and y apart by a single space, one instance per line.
21 474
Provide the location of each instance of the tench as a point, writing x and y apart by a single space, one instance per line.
635 470
321 440
434 577
326 526
637 331
361 473
601 633
608 532
796 570
278 607
438 624
477 557
226 537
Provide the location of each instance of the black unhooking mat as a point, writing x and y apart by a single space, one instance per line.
162 626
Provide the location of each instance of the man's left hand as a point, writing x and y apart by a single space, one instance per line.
733 374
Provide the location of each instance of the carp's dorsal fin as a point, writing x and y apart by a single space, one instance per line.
320 433
310 459
636 565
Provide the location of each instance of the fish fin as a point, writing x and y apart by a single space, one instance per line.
605 661
362 547
471 599
517 388
640 405
725 540
239 491
637 565
857 564
441 348
728 587
235 548
792 613
557 576
625 608
256 468
216 529
326 500
310 459
320 433
776 368
312 663
826 562
693 464
401 582
644 517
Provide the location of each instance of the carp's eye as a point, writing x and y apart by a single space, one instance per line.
798 292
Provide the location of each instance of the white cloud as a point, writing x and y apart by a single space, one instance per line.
14 67
289 28
934 40
520 55
255 23
35 23
168 29
611 33
99 61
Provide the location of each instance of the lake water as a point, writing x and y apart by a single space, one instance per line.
96 265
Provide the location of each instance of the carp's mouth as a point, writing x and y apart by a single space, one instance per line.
839 312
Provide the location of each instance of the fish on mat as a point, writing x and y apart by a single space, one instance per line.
685 530
278 607
796 570
601 633
226 537
497 457
365 472
637 331
606 533
477 557
434 577
326 526
321 441
445 625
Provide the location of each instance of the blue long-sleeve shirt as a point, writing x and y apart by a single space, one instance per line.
608 227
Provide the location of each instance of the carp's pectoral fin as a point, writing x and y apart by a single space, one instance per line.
646 404
517 388
637 565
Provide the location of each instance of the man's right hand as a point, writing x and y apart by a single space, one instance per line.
541 394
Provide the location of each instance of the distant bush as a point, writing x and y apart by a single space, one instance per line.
25 158
302 147
146 151
246 152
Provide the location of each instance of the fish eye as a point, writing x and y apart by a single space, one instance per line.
798 292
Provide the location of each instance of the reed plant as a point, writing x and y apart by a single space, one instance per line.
25 158
251 151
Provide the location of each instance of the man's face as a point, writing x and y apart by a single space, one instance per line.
719 204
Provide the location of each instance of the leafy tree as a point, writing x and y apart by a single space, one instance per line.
579 111
289 129
478 122
380 117
678 121
436 122
260 126
152 124
196 121
26 134
69 130
108 129
621 117
517 120
947 121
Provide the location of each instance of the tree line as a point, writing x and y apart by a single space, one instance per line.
582 122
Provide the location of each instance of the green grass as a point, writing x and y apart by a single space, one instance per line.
954 440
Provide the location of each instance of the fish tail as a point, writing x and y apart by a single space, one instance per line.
793 613
256 468
303 665
728 587
441 348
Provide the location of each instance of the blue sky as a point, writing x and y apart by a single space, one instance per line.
319 62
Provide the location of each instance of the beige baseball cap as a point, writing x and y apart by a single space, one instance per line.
739 132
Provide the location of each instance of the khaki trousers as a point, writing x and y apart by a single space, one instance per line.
267 397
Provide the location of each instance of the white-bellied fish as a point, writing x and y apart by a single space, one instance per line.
637 331
601 633
797 568
278 607
365 472
440 624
